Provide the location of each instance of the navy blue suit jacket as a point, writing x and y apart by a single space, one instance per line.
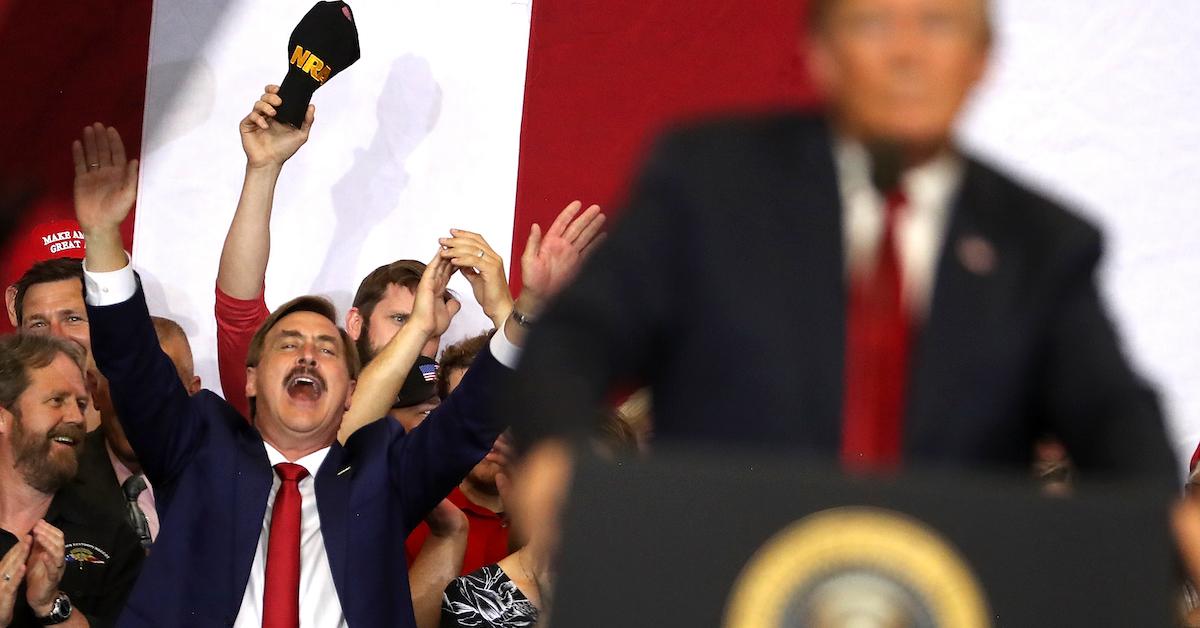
723 286
211 481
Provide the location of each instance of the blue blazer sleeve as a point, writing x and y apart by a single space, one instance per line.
159 418
428 462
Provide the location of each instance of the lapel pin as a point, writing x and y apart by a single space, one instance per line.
977 255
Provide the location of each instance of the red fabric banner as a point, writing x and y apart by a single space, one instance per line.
605 76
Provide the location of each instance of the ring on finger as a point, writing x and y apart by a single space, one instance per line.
94 166
480 252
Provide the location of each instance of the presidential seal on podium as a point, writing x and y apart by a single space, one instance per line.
857 567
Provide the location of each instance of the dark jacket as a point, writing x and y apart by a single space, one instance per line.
724 287
212 478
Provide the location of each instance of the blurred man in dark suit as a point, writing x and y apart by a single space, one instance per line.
886 299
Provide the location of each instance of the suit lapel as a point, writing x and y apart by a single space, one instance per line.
333 498
811 218
972 270
252 477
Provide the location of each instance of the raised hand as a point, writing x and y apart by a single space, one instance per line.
269 143
44 567
431 307
12 573
105 183
551 260
484 270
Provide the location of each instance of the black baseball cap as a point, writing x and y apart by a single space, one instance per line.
324 43
420 384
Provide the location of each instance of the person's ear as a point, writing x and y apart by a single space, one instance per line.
981 63
251 385
6 421
349 395
10 301
354 323
93 383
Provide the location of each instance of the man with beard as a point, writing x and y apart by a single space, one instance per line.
48 299
66 562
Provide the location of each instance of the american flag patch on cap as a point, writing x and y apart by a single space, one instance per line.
429 372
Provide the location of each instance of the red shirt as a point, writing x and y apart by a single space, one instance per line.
487 535
237 320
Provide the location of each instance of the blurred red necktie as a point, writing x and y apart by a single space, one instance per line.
877 345
281 595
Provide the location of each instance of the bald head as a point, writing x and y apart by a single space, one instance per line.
174 343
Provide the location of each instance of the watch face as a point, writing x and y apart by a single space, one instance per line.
60 612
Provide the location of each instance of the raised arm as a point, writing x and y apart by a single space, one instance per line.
267 144
381 380
438 454
239 307
605 326
150 400
483 268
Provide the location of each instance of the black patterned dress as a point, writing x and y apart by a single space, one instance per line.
486 598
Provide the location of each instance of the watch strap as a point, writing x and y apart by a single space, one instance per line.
59 613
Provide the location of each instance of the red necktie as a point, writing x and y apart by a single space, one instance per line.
281 595
877 346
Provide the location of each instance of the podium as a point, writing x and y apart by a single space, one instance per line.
754 541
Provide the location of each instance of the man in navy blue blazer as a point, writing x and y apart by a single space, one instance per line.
212 469
882 298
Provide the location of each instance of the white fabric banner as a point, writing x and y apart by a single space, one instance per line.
1096 103
420 135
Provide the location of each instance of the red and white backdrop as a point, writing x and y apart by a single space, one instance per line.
492 114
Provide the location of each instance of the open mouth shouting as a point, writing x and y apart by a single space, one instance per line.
303 384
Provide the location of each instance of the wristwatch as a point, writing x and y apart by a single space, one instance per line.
522 319
60 612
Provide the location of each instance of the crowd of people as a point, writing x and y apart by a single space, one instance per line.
125 488
359 473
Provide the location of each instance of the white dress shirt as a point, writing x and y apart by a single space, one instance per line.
319 603
920 223
145 499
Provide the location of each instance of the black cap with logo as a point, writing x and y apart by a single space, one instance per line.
420 385
323 44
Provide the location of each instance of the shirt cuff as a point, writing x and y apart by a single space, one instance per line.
111 287
504 350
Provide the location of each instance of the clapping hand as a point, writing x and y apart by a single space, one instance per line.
432 308
12 573
44 567
484 270
551 260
